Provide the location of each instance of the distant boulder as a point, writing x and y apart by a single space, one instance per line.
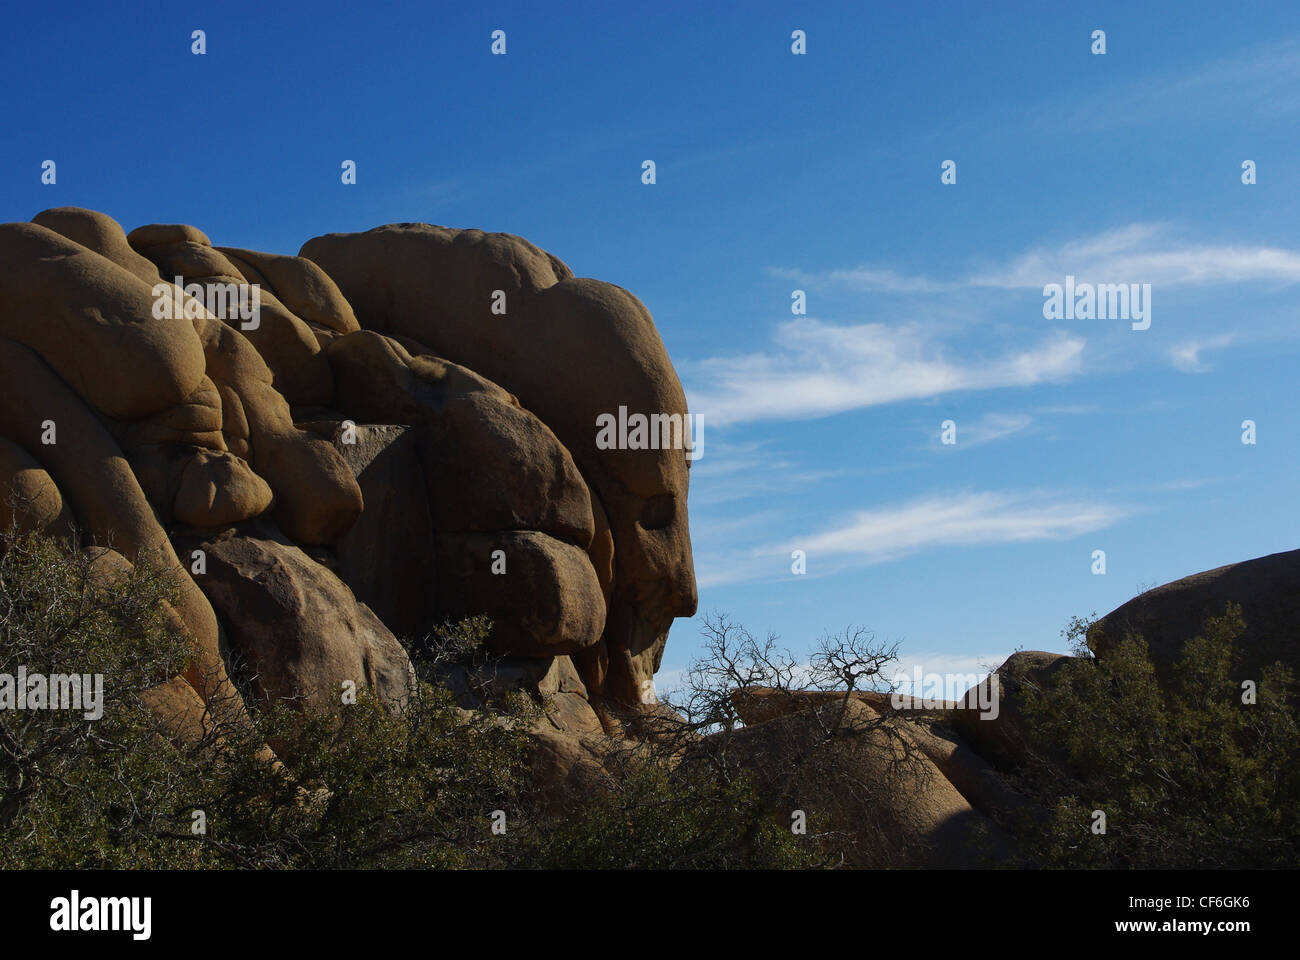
872 783
991 717
1266 588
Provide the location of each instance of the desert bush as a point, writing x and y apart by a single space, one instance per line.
698 789
370 786
364 788
662 816
1191 775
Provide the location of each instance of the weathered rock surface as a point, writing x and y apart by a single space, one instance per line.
295 630
564 768
29 498
316 496
525 479
101 233
540 677
387 556
547 594
92 321
990 716
299 284
872 782
924 723
983 786
98 487
1266 588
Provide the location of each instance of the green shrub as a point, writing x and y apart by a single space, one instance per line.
367 788
656 816
1188 775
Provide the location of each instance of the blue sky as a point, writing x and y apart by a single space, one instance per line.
778 172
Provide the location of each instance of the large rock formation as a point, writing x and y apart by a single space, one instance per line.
338 450
1267 589
571 350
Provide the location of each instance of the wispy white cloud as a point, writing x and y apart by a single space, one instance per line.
709 526
1144 253
1261 81
816 369
1186 356
735 471
1190 483
1069 409
964 519
959 520
1134 253
863 279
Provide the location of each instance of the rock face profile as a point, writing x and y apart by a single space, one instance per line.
339 450
570 350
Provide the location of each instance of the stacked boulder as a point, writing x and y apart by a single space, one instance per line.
400 431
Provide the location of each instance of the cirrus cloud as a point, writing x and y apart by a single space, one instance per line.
817 369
